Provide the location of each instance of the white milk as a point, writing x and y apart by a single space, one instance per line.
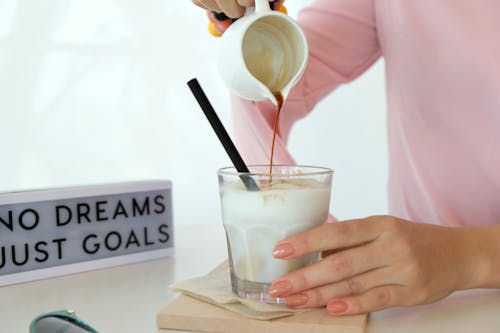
256 220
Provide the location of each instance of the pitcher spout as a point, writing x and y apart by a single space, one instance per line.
271 96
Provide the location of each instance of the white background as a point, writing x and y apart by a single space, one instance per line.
93 91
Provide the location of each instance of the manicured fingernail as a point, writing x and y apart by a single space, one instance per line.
280 288
296 300
283 250
337 307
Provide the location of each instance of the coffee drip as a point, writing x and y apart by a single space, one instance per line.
279 99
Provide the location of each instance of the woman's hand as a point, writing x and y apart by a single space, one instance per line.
377 263
232 8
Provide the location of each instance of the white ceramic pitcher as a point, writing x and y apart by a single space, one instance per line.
263 53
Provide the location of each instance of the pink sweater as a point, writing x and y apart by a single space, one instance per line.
442 62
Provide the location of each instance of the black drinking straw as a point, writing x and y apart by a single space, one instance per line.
224 138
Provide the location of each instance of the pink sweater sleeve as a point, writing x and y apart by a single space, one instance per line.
343 43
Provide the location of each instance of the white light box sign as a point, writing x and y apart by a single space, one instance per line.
52 232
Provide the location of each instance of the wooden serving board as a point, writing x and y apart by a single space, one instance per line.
190 314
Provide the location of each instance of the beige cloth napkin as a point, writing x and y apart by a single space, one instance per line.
215 288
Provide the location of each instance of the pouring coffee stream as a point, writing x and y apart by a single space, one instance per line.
280 100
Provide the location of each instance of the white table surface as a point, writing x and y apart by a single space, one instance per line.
126 298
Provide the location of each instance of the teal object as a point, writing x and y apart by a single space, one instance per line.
64 321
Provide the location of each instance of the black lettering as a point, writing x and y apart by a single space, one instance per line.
158 201
120 210
26 255
136 208
162 229
9 223
146 241
100 210
59 221
95 245
36 219
132 239
59 241
118 241
41 251
83 210
3 257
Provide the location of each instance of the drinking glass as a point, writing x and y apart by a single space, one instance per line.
290 200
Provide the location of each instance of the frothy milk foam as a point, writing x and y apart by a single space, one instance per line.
256 220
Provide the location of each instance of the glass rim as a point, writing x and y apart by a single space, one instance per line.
314 171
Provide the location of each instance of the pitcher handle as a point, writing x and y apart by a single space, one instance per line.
262 6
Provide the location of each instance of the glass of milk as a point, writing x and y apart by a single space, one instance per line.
290 200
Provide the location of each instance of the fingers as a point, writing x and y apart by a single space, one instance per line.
355 285
333 268
207 4
327 237
246 3
372 300
231 8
